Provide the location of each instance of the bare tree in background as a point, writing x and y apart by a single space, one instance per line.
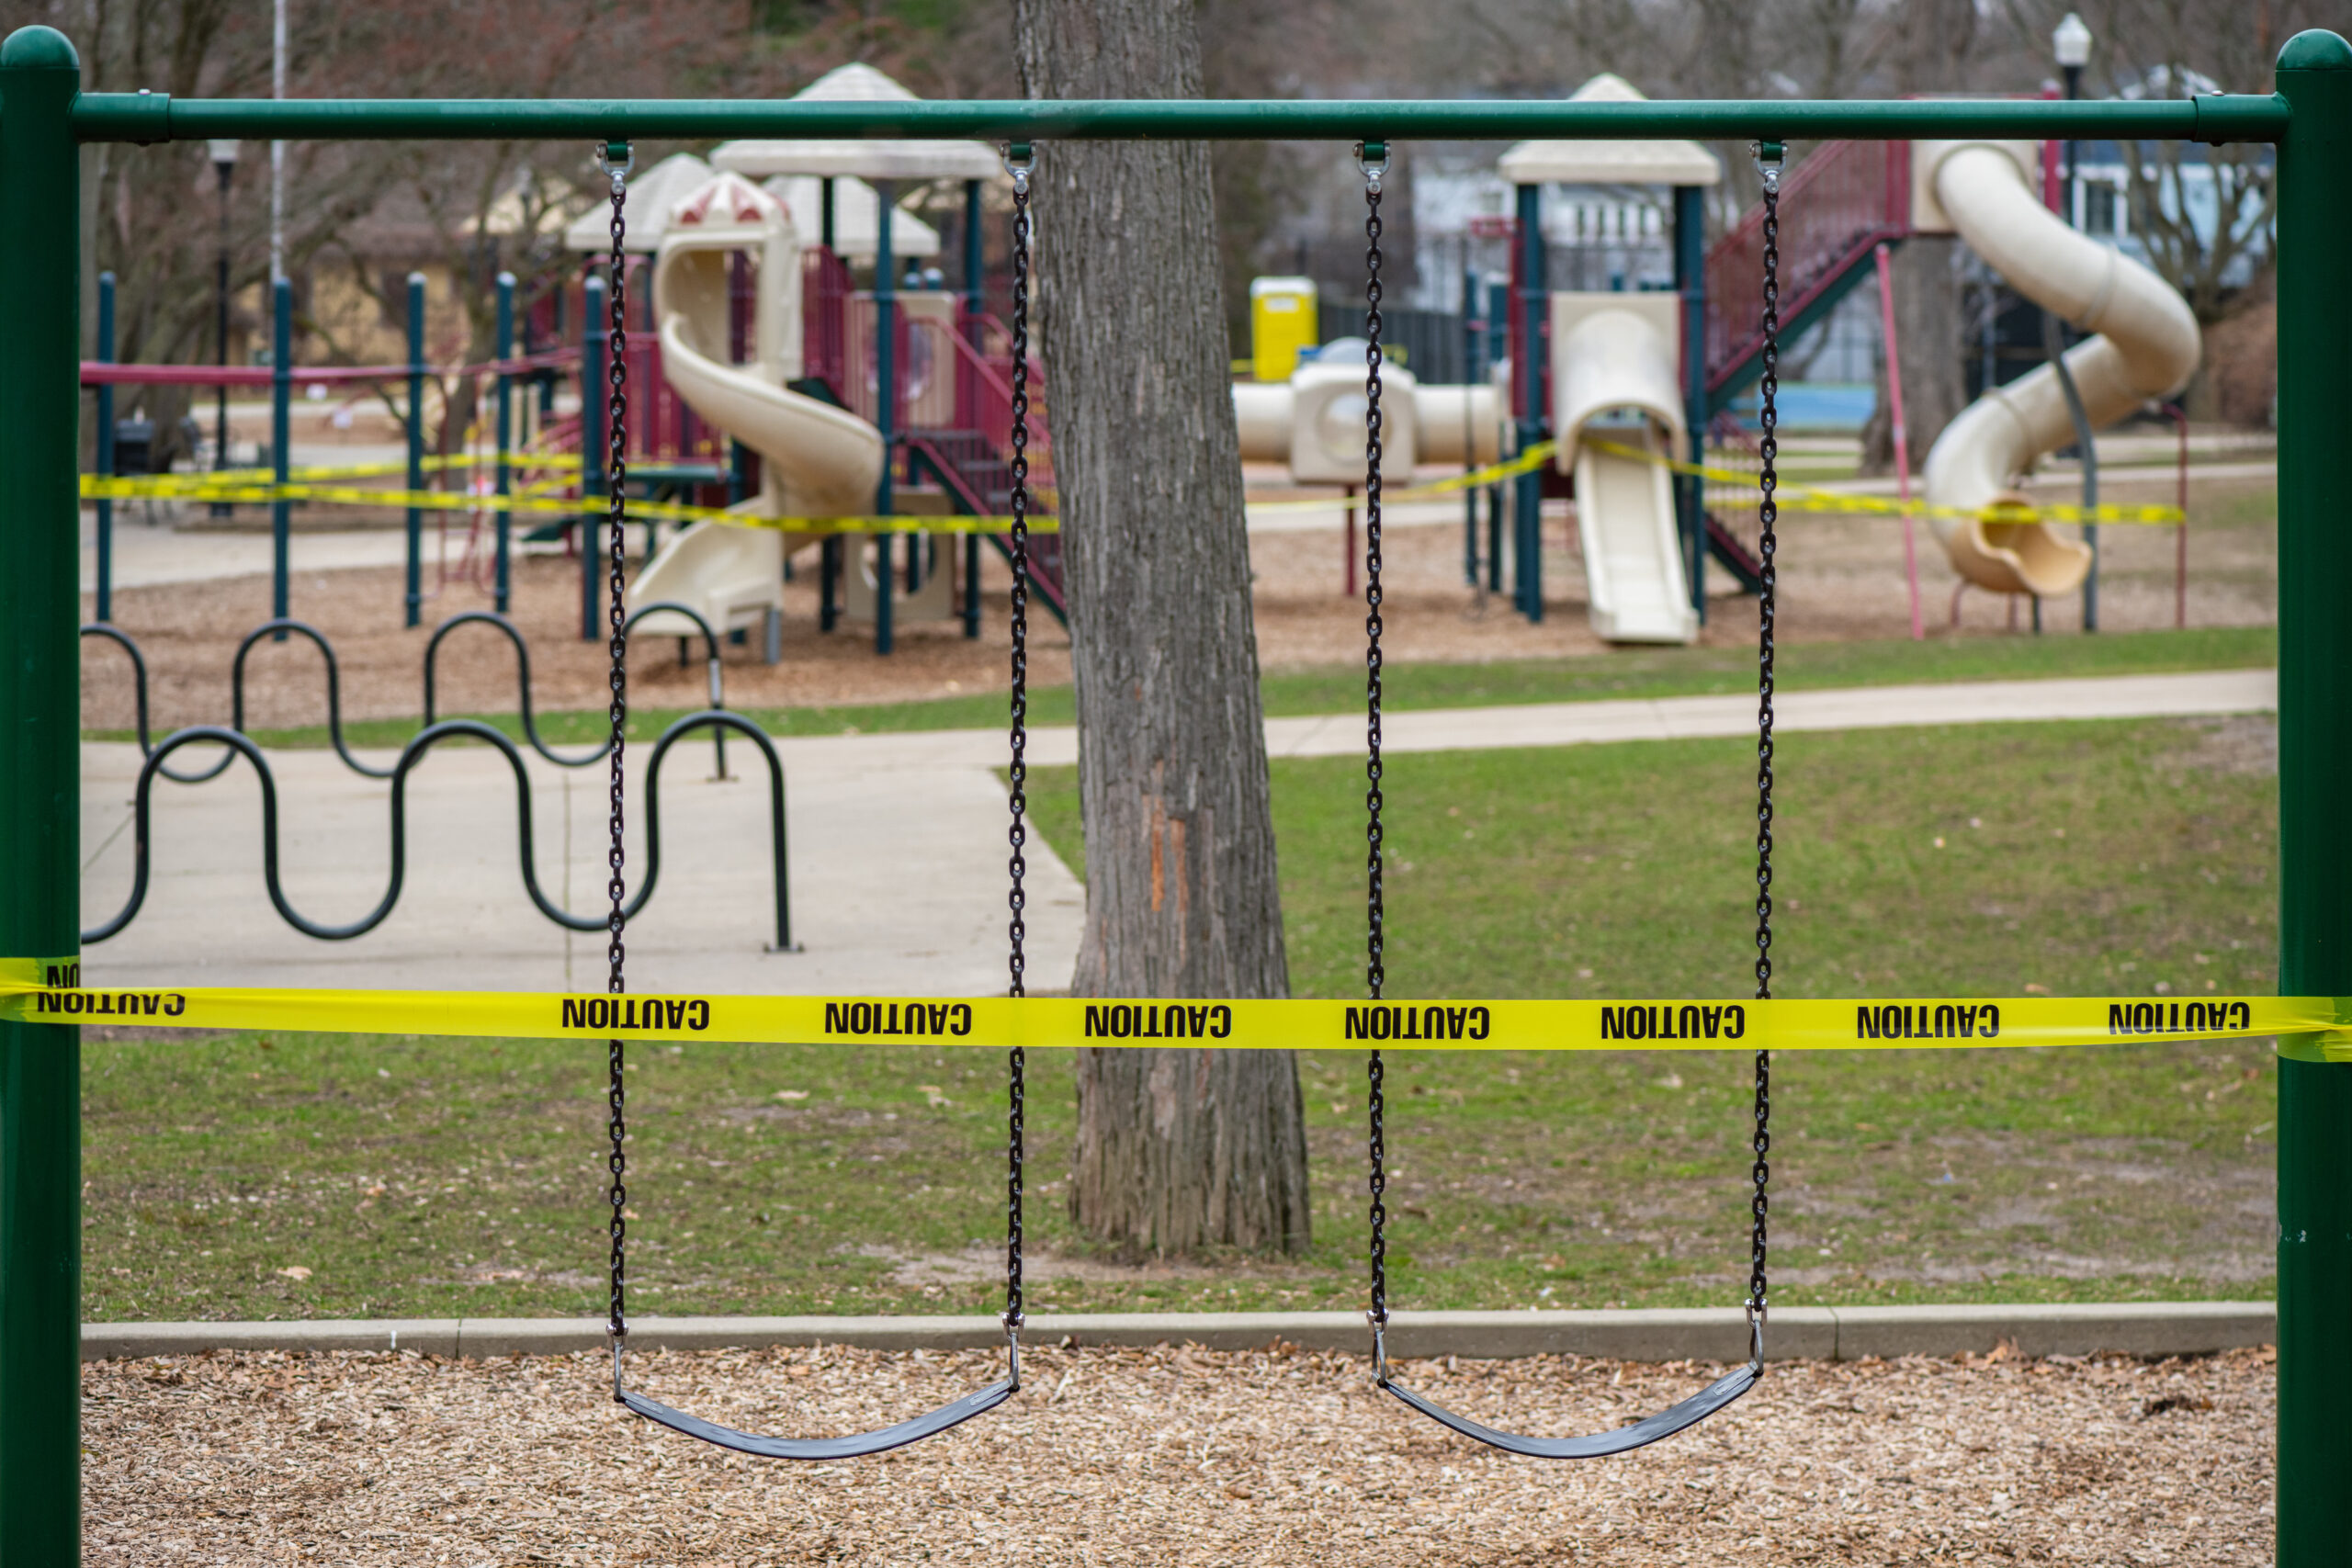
1177 1149
152 214
2178 49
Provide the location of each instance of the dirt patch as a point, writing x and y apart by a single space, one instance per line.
2245 743
1173 1457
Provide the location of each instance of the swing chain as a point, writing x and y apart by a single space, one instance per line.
1768 166
615 160
1017 161
1373 158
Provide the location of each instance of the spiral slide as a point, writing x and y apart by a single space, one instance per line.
815 459
2147 347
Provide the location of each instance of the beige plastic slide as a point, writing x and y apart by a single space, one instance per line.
815 459
2147 347
1614 381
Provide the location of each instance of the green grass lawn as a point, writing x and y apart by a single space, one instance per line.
1626 673
442 1177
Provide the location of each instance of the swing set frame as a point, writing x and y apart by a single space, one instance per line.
46 118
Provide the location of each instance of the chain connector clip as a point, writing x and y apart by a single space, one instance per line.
1372 157
1019 160
1767 156
1379 1349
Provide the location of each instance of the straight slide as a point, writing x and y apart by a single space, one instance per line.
1617 407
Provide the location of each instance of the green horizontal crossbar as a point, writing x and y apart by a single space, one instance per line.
157 116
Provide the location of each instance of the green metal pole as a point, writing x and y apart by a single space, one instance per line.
149 116
1527 375
413 601
597 336
40 1066
106 448
281 450
506 439
2314 831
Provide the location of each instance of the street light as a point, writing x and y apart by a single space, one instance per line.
224 163
2071 40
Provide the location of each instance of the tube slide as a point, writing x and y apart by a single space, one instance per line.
815 459
1614 381
2147 347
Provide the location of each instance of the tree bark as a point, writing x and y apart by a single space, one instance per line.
1931 342
1177 1149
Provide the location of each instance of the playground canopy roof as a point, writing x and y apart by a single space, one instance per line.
878 159
855 206
651 195
1655 162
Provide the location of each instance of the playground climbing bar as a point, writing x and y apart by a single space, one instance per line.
158 117
46 118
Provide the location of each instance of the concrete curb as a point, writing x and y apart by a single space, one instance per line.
2137 1328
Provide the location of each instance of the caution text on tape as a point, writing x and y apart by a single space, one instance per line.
2324 1024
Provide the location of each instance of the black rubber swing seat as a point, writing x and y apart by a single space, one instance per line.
851 1447
1598 1445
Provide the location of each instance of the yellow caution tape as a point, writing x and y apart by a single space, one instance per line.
1814 499
1526 462
256 486
207 478
94 488
46 994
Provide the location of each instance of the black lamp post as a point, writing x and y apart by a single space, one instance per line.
224 163
2070 42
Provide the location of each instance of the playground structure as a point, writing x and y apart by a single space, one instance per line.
2312 116
765 298
1650 377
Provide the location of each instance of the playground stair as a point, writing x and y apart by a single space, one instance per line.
974 471
1837 205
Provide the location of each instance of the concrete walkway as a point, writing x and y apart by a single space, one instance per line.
1657 719
898 850
898 876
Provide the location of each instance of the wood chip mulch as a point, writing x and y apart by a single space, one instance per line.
1171 1457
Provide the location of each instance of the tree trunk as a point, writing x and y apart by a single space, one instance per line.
1176 1149
1931 342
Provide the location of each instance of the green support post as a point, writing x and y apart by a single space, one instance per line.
1527 377
506 440
106 448
415 599
40 1064
281 443
1691 284
597 338
2315 831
